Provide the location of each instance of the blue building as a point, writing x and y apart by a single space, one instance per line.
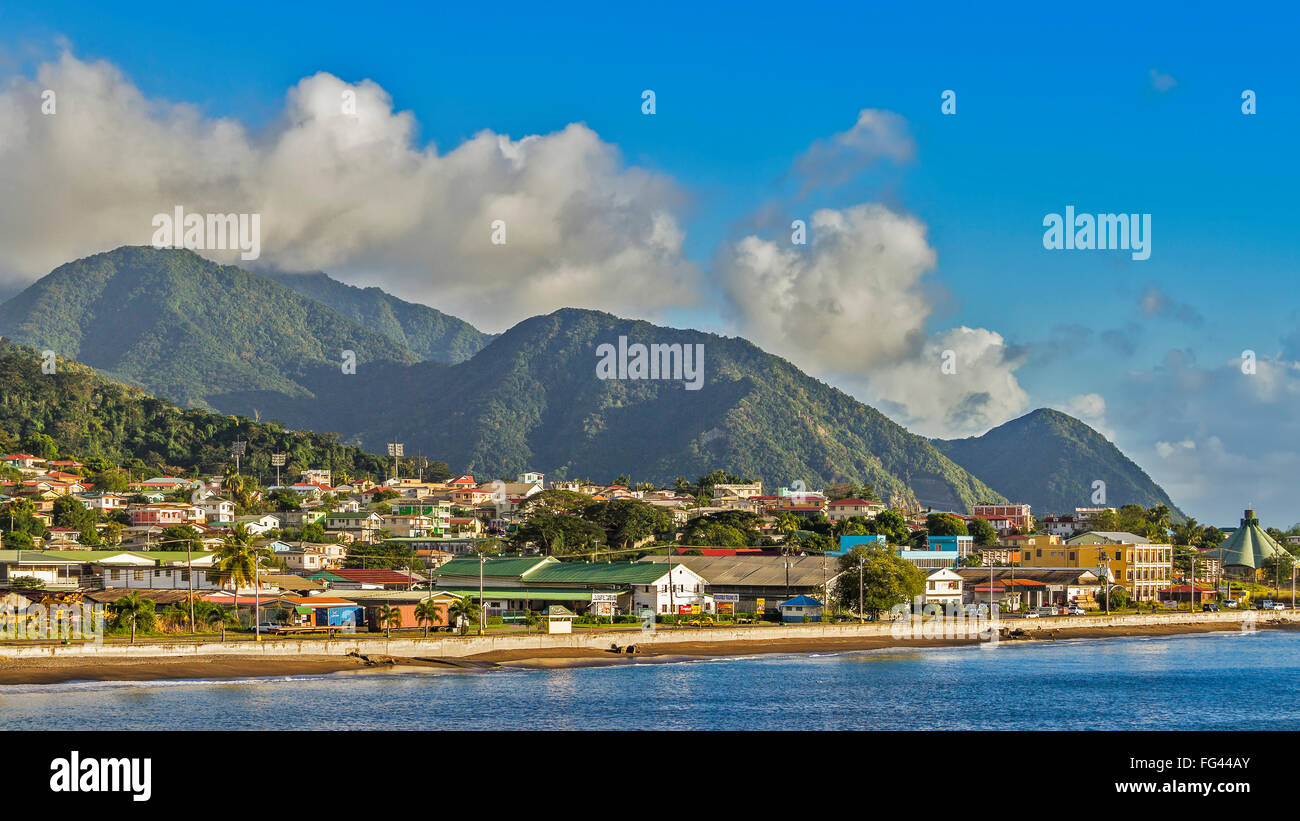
801 609
847 543
939 552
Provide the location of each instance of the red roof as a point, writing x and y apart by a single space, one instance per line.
722 551
372 576
852 502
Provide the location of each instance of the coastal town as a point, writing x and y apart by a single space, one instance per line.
325 553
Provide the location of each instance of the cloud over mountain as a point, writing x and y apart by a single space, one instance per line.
342 184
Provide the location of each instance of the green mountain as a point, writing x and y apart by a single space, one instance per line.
89 416
1050 460
186 328
428 333
202 334
532 401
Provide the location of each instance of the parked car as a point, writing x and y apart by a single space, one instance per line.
1277 605
1045 611
1032 614
1264 604
1210 607
1230 604
1076 610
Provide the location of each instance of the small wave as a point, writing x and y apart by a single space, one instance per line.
89 685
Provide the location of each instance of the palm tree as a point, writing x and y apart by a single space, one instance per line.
389 617
236 562
532 618
464 611
427 613
133 610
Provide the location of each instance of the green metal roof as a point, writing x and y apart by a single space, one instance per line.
598 573
1249 546
496 568
529 593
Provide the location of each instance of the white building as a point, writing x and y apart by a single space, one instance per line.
665 595
943 587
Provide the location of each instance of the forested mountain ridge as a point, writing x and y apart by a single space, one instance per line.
89 416
186 328
532 400
425 331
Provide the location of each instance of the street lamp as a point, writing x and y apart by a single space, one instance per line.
395 450
237 450
277 459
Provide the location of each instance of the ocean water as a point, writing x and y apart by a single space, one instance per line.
1191 682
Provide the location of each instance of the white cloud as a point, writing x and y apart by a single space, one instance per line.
348 193
1161 81
849 307
1167 449
835 160
1087 406
1216 439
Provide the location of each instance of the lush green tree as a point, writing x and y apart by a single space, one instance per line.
388 617
982 532
887 580
134 612
558 533
285 500
703 531
111 481
945 524
972 560
627 521
428 614
41 445
893 526
464 612
438 472
70 512
236 560
18 540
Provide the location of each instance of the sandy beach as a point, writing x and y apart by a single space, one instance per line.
54 670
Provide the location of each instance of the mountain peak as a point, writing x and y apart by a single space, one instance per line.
1051 461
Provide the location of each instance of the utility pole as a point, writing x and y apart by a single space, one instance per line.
862 564
482 605
189 575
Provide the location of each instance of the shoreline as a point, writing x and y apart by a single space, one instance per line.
55 670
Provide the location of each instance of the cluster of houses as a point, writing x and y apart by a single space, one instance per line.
443 522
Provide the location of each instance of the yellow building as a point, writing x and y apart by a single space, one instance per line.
1142 569
1029 540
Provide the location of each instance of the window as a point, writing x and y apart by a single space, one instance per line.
138 575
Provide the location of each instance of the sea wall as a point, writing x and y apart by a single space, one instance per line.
448 646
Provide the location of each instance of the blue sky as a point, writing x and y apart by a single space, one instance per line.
1112 108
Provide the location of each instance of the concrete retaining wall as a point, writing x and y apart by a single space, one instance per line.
459 647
